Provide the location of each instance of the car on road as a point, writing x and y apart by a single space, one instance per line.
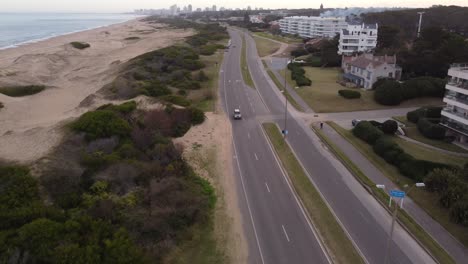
237 114
354 122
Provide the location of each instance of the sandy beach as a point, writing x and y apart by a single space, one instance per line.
31 126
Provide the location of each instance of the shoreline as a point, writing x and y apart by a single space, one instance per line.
32 125
38 40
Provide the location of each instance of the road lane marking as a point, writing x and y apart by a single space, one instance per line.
255 154
266 184
248 204
285 233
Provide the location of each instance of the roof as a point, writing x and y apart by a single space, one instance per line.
364 60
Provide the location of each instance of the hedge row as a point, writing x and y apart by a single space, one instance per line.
298 74
429 112
349 94
431 128
391 92
385 147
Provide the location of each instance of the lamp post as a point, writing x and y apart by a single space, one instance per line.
394 216
285 132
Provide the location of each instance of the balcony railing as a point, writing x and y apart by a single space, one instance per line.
456 98
459 85
461 114
462 66
460 128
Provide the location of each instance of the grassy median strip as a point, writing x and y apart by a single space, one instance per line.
338 244
244 66
281 88
414 228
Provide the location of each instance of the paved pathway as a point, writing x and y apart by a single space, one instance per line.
434 148
445 239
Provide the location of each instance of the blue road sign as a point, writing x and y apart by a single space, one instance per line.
397 194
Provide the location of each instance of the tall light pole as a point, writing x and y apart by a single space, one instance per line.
420 22
286 99
394 216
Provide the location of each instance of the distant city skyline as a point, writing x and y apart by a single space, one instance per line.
126 6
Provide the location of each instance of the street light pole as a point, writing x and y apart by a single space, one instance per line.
286 99
394 216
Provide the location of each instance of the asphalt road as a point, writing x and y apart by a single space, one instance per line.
277 228
364 219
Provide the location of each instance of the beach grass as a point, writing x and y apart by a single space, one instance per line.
18 91
265 47
80 45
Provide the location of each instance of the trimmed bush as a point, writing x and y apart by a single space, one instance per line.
100 124
298 75
349 94
431 130
367 132
389 127
18 91
429 112
459 212
389 93
423 87
80 45
418 169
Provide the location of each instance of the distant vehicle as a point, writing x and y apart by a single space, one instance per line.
237 114
400 131
354 122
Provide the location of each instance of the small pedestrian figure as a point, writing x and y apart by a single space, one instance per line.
321 125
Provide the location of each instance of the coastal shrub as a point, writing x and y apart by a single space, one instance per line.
132 38
153 88
101 123
389 93
432 130
177 100
80 45
210 49
19 189
197 116
389 127
349 94
124 108
367 132
18 91
201 76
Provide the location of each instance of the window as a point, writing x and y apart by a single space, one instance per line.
390 74
369 75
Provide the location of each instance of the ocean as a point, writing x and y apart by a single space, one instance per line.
21 28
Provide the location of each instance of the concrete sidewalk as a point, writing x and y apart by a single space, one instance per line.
442 236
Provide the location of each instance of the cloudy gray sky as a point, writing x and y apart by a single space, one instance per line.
128 5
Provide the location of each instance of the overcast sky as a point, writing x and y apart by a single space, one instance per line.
129 5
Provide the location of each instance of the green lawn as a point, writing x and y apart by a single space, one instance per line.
322 96
427 201
340 247
266 47
244 66
289 40
411 131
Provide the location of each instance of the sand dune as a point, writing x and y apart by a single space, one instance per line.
29 126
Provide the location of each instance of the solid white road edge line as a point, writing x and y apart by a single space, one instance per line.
285 233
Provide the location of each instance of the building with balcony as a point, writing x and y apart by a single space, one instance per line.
313 27
455 113
364 70
358 38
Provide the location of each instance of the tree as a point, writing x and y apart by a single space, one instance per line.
40 237
388 37
389 93
459 212
329 52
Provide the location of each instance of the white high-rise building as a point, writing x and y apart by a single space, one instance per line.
455 113
313 27
213 8
189 8
358 38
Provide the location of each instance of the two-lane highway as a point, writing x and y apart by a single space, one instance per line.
278 230
365 220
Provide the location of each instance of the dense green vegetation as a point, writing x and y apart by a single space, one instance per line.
18 91
121 197
177 68
80 45
386 147
349 94
132 38
1 105
298 75
427 120
391 92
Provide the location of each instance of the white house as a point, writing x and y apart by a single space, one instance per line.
455 113
364 70
358 38
313 27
